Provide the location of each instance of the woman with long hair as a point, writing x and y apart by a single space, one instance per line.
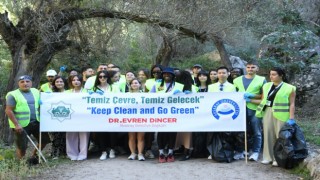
277 107
59 85
103 84
77 142
136 139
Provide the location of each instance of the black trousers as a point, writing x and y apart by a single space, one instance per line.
165 138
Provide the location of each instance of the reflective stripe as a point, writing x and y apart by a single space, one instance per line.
281 110
20 113
260 105
281 104
22 118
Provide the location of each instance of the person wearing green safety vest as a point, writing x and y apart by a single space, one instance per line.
167 85
156 71
47 87
221 86
22 109
251 84
276 108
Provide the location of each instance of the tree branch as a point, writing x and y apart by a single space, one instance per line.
8 31
72 14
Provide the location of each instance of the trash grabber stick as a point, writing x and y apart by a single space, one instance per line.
35 146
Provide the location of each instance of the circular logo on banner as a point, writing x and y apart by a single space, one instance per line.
225 108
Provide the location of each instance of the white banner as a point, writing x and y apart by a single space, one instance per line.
142 112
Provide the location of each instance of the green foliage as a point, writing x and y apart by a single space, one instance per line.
293 51
204 60
311 126
302 171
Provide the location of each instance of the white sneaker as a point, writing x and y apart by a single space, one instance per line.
254 156
103 156
149 154
238 155
265 162
275 164
210 157
140 157
133 156
112 154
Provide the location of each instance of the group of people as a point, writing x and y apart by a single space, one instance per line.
269 105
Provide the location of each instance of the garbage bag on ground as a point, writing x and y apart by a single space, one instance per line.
221 147
290 148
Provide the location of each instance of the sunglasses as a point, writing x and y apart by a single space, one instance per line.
100 77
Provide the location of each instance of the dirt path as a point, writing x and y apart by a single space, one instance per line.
121 168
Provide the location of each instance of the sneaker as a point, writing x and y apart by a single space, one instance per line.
170 158
162 158
133 156
275 164
103 156
254 156
149 154
112 154
141 157
238 155
265 162
210 157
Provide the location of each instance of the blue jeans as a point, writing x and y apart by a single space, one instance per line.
255 129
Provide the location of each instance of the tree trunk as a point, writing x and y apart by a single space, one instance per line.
218 42
165 52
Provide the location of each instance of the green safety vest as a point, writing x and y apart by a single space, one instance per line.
281 104
45 87
150 83
22 110
254 87
227 87
177 86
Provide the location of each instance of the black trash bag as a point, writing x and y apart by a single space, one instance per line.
290 148
222 148
199 145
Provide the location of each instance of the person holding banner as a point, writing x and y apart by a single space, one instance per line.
58 148
276 108
221 86
252 84
136 138
185 138
167 85
77 142
104 84
22 109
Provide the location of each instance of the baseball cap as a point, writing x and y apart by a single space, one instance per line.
25 77
51 72
197 65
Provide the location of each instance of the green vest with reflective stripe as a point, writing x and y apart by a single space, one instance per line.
281 104
22 111
45 87
254 87
177 86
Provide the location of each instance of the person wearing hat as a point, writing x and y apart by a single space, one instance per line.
167 85
195 70
47 87
22 109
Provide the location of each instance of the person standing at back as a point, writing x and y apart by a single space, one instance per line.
251 84
47 87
